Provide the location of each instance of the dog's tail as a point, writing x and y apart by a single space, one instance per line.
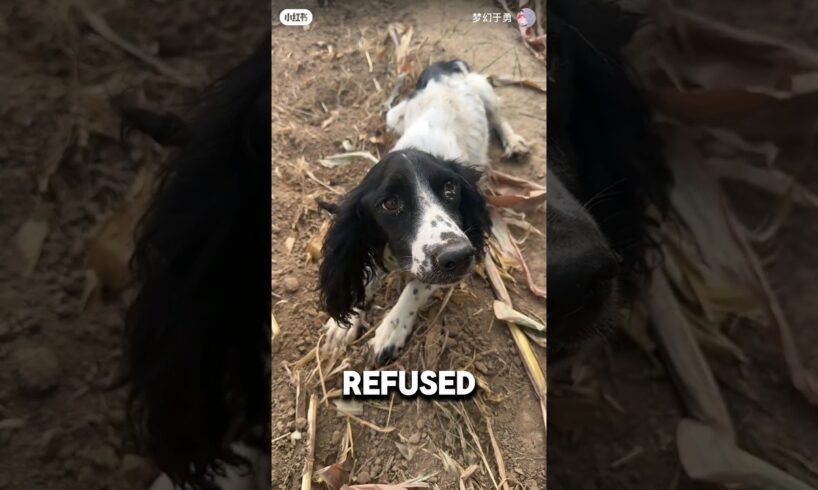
195 347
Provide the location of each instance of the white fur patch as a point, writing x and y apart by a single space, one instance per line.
447 119
433 224
339 337
396 327
450 118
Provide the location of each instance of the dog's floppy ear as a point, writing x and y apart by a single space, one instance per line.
351 251
473 208
195 342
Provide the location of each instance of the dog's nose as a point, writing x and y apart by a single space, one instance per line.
455 259
581 273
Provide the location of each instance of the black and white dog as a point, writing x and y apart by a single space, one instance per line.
605 170
419 209
197 337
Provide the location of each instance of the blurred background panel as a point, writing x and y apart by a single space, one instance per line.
71 192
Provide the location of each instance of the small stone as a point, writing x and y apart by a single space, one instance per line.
280 427
336 437
37 370
363 476
481 367
414 438
300 423
291 284
136 469
295 436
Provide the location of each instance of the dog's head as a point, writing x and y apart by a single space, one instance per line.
428 212
605 169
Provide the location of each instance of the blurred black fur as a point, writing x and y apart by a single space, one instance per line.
601 144
195 342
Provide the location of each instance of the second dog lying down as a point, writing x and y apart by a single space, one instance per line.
419 209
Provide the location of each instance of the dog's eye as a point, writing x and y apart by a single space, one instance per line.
449 190
391 204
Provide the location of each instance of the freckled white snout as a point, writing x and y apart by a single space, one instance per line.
455 259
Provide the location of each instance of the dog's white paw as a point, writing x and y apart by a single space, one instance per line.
338 337
515 145
390 337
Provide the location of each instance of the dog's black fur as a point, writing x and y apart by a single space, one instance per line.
437 71
195 342
355 242
605 170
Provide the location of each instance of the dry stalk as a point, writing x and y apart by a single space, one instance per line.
312 412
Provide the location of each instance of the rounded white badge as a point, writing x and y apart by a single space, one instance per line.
295 17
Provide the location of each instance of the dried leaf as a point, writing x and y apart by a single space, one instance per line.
450 465
695 379
29 240
275 327
109 249
61 142
802 378
505 80
717 75
708 455
334 476
341 159
502 234
378 486
316 243
468 472
769 180
333 115
349 407
289 243
369 424
406 450
89 286
512 192
780 117
401 35
506 313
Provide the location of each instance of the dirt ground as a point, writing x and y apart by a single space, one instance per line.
63 172
618 429
326 96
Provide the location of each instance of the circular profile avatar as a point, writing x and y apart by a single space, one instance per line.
526 17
